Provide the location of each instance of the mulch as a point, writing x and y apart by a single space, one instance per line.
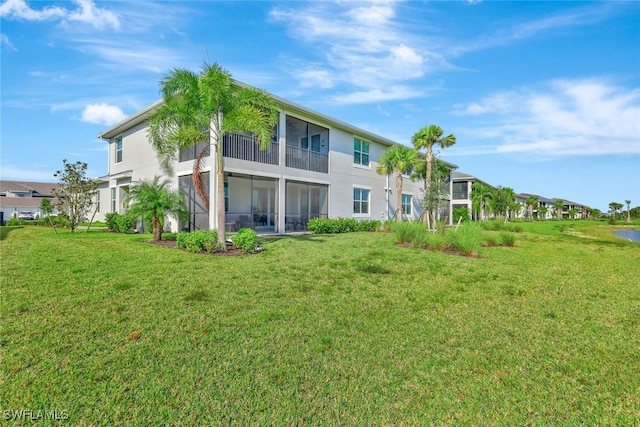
171 244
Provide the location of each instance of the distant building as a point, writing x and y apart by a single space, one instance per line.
16 196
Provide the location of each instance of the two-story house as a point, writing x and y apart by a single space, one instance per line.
315 166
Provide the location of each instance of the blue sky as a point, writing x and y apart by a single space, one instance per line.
544 97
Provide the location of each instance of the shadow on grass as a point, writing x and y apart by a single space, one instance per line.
5 230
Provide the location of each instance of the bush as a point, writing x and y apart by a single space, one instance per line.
197 241
490 239
406 231
341 225
507 238
14 221
434 241
467 238
461 213
498 225
119 223
246 240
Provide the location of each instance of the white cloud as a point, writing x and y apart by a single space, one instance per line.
363 47
4 41
86 12
103 114
25 174
565 117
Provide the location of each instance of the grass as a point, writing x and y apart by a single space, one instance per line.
325 330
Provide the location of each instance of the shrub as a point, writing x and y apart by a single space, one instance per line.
119 223
490 239
461 213
434 241
341 225
467 239
507 238
197 241
14 221
246 240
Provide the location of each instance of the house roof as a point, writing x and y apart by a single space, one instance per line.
144 114
38 189
461 176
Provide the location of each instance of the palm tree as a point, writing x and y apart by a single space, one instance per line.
153 200
398 160
203 107
480 198
558 207
532 203
628 202
426 138
614 207
542 210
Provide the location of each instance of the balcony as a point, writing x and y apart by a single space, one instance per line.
301 158
245 147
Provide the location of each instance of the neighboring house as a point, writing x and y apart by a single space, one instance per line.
17 196
315 166
542 201
461 191
569 208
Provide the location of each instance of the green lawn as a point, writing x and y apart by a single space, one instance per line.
324 330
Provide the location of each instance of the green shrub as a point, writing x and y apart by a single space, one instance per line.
490 239
120 223
247 240
507 238
467 238
197 240
461 213
434 241
341 225
409 232
14 221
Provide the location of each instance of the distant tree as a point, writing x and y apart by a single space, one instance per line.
615 207
542 210
594 213
480 199
515 208
572 213
502 198
153 200
397 160
558 208
46 208
628 202
427 138
635 212
75 193
532 203
461 214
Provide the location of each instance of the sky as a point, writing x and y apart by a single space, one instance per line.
543 97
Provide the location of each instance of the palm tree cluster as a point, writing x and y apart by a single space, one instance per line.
399 160
500 201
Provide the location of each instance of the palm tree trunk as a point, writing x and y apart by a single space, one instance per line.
399 196
220 197
427 184
157 228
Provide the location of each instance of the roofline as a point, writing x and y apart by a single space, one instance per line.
142 115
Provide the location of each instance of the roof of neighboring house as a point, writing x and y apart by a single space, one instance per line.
144 114
21 202
461 176
37 189
540 198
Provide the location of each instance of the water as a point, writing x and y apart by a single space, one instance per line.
629 234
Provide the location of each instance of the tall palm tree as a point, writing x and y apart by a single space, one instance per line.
426 138
480 198
153 200
615 207
203 107
532 203
558 207
397 160
628 202
542 210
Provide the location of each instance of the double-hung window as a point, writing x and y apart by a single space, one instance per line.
119 150
406 204
360 152
361 201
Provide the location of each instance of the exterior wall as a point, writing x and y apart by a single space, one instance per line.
139 161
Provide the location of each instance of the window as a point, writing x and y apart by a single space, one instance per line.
460 190
360 201
119 150
114 206
406 204
360 152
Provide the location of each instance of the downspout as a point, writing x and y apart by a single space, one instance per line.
386 194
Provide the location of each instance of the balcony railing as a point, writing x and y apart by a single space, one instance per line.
247 148
300 158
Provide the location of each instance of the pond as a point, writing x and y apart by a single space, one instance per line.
629 234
